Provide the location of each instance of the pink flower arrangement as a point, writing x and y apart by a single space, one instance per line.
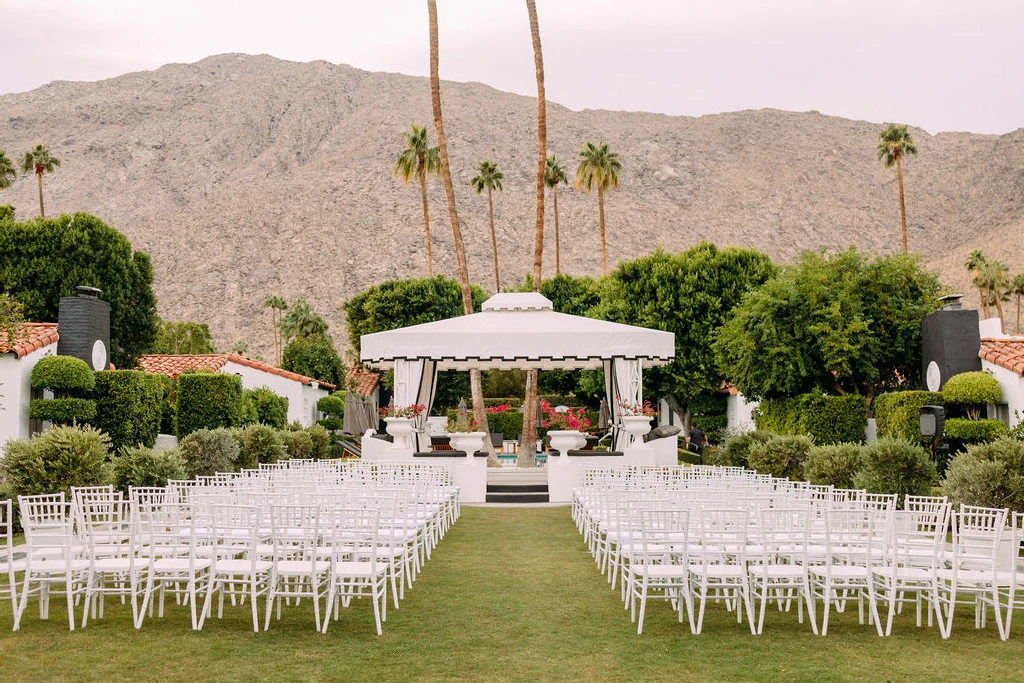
503 408
634 408
392 410
570 419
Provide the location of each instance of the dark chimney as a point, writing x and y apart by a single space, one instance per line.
83 328
950 342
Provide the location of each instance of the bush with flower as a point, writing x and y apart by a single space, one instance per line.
492 410
413 410
463 423
570 419
635 408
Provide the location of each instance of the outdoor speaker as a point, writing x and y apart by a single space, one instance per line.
83 328
933 420
950 342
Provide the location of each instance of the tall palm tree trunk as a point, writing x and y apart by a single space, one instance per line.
600 221
1018 314
39 177
999 309
903 204
426 220
558 259
475 383
494 241
528 447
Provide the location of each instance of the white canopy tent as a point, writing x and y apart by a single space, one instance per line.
518 331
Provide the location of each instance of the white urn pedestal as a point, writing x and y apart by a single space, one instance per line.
565 440
470 442
401 429
636 426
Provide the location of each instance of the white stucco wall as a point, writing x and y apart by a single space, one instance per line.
16 390
740 414
302 398
1012 385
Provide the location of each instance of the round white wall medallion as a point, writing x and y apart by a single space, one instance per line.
99 355
933 377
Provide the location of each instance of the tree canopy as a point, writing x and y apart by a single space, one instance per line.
690 294
401 303
181 336
44 259
838 323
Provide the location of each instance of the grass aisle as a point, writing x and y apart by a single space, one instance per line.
510 594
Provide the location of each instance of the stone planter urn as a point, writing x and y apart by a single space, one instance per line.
564 440
636 426
470 442
401 429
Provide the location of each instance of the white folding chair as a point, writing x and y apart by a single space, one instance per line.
113 547
53 554
718 565
301 570
355 571
654 560
973 566
12 562
778 571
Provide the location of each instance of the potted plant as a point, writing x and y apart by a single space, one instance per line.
565 427
399 421
465 435
635 416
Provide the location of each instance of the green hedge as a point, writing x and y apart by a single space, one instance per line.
971 388
129 406
513 402
63 374
207 401
62 411
975 431
990 475
898 414
826 419
271 409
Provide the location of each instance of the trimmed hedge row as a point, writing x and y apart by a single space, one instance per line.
207 400
826 419
898 414
128 406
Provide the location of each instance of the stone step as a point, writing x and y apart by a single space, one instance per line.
517 498
517 488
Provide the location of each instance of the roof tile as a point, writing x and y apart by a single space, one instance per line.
362 381
1006 353
173 364
30 337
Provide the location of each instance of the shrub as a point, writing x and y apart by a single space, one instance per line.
259 443
208 451
208 401
65 375
271 409
321 442
736 451
62 411
833 464
56 460
895 466
333 404
314 357
332 424
780 456
509 423
975 431
128 406
298 444
972 390
826 419
988 474
898 414
142 466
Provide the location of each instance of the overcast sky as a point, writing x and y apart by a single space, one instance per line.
938 64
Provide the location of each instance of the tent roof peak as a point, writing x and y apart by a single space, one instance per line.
518 301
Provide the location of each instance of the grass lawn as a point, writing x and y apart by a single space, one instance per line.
510 594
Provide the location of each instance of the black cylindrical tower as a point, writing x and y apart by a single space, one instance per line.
83 328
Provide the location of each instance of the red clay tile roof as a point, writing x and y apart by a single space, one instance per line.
172 364
29 337
1006 353
362 381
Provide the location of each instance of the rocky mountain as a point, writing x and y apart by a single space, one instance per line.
247 176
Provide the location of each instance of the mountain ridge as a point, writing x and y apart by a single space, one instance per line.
247 176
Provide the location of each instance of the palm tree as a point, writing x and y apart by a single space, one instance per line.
995 278
301 321
475 382
276 304
1017 289
489 178
528 446
973 265
419 159
7 171
553 175
39 161
893 143
599 167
